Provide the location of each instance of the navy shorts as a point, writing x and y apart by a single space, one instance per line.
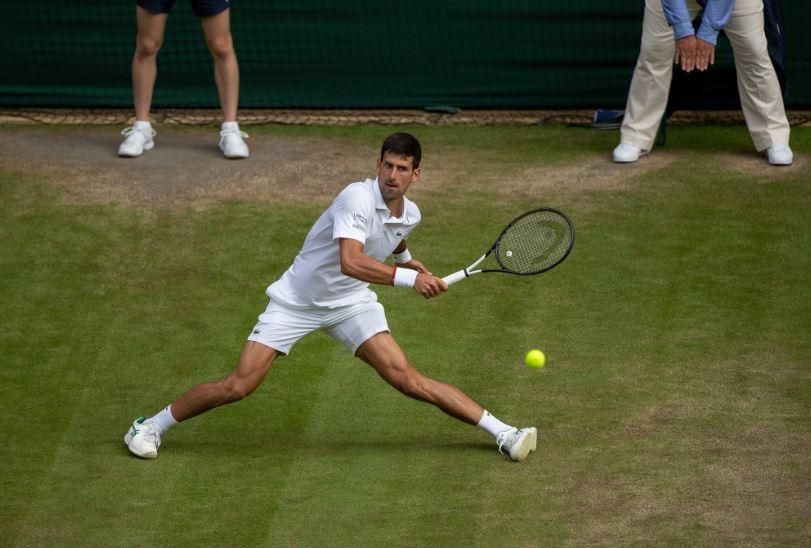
201 8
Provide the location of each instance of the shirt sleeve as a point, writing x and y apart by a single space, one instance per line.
678 17
715 18
352 214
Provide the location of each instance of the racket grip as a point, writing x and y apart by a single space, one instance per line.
455 277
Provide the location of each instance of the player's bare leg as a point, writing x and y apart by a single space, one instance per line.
217 31
387 358
144 437
151 28
249 372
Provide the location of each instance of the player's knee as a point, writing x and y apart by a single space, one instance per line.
146 46
221 46
236 390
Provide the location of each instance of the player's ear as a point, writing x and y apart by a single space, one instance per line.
416 174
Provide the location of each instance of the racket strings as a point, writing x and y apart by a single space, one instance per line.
535 243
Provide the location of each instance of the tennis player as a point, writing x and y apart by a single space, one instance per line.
327 287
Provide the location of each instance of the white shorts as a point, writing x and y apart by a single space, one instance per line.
280 327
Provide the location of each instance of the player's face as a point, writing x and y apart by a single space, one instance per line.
395 173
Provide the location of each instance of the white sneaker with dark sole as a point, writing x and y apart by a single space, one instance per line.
518 442
233 145
143 439
626 154
136 141
780 155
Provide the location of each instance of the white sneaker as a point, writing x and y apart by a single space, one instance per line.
136 141
780 155
518 442
232 143
625 153
143 439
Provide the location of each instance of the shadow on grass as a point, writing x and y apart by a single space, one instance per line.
251 449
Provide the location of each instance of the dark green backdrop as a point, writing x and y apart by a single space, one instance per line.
361 54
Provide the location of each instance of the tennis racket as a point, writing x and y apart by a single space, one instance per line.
532 243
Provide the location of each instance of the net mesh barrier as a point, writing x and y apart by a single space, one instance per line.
334 54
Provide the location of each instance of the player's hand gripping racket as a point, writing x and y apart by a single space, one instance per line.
532 243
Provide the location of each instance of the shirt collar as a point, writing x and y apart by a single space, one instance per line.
379 202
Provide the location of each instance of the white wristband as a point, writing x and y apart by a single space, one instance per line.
403 257
404 277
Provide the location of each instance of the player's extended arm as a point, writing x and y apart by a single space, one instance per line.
356 264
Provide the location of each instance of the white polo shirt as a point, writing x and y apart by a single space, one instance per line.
358 212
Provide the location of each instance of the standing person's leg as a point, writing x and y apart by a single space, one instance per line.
650 84
144 436
758 86
151 27
217 31
387 358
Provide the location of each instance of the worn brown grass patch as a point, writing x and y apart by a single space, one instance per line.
186 169
754 164
732 482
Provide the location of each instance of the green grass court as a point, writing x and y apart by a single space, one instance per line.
673 410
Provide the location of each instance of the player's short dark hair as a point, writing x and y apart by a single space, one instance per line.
405 144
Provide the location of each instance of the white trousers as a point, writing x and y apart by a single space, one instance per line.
758 86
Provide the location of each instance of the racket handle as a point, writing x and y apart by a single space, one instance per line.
455 277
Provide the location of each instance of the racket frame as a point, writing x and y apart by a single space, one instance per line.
467 272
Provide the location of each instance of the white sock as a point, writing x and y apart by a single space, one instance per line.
230 125
492 425
140 124
164 419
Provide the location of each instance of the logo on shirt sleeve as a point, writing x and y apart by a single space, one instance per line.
359 221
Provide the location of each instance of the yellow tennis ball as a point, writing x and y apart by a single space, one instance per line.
535 359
